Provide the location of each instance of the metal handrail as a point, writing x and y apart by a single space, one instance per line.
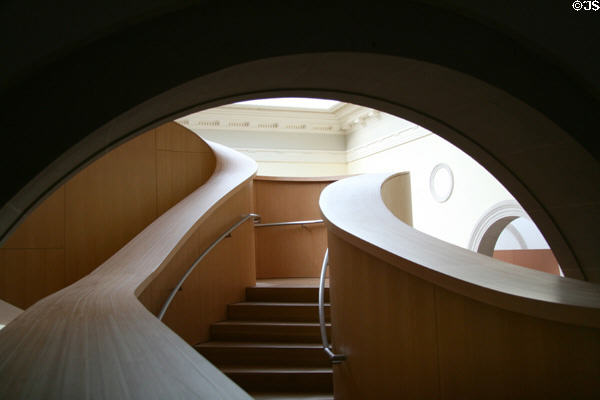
334 358
312 221
162 312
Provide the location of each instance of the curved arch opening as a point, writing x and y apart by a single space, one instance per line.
305 138
484 121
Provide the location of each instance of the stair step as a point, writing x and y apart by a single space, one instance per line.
291 396
285 294
261 331
271 311
277 379
261 353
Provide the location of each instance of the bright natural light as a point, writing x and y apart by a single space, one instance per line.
294 102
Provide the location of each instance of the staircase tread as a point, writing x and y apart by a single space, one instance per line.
278 303
277 345
266 323
226 369
285 286
291 396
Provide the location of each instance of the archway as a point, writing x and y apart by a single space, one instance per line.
492 223
513 141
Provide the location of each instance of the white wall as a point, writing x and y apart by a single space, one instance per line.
383 143
396 146
522 233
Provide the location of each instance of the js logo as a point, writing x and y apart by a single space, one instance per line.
586 5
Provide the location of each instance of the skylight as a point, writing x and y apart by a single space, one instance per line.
293 102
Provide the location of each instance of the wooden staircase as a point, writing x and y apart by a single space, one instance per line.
270 344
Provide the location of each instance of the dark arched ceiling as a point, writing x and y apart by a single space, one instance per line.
67 70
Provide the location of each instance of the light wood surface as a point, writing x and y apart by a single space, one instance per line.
99 210
383 320
94 339
396 195
421 318
220 279
8 312
108 203
293 251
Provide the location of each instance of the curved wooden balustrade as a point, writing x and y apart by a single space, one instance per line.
94 339
421 318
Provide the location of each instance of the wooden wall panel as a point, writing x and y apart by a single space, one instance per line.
487 352
27 275
289 251
32 261
539 259
108 203
220 279
44 228
94 339
100 209
407 338
383 319
174 137
178 174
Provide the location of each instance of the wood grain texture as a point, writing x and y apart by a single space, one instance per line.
100 209
487 352
174 137
27 275
44 228
375 230
383 319
289 251
497 330
108 203
8 312
220 279
178 173
94 339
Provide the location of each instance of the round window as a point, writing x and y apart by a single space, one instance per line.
441 183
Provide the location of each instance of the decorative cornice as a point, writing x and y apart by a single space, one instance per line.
353 117
341 120
253 119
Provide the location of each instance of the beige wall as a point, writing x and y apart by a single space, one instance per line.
99 210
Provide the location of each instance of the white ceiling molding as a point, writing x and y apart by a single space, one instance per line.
388 142
353 117
263 119
295 156
341 120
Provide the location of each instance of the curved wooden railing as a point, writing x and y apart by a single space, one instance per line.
94 339
421 318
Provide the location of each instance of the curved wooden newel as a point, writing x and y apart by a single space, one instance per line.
420 318
94 339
